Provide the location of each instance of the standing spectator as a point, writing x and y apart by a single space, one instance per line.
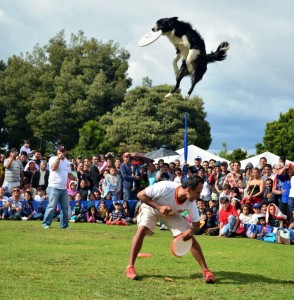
262 163
197 166
247 175
59 172
29 170
94 171
40 177
2 171
233 177
127 178
151 174
24 158
13 171
267 172
220 177
163 173
228 218
37 157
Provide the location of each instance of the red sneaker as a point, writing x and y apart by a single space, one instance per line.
208 276
131 273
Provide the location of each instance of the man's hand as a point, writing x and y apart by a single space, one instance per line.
165 210
188 234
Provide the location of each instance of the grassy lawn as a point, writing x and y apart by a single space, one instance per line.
88 262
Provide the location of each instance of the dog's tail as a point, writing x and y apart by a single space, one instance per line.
220 53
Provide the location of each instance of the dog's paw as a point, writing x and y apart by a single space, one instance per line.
168 95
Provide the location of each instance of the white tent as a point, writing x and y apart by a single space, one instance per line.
271 159
193 151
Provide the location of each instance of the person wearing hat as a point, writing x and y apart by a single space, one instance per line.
128 178
13 171
59 173
197 165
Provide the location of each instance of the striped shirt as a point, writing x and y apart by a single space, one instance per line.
13 173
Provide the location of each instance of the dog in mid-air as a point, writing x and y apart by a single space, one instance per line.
190 47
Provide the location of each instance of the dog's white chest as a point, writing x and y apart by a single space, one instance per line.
180 43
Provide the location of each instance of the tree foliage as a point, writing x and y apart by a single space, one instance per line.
279 136
146 120
53 91
236 154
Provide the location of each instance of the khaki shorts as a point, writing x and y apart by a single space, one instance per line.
148 217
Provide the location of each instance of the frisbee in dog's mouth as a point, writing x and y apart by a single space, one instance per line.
149 38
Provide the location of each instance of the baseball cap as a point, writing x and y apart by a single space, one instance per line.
198 157
256 205
116 203
61 148
217 164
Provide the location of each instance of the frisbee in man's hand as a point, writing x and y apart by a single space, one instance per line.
179 247
149 38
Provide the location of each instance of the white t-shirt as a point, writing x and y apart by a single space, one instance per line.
291 193
58 178
164 193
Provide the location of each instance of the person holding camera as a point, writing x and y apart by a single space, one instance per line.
60 171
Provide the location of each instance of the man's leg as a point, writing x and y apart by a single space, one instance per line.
136 246
50 210
63 200
198 254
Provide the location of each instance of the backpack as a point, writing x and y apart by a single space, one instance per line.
283 236
270 237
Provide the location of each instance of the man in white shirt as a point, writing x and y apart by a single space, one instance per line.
57 192
165 201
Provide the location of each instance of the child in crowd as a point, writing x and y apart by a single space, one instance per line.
97 194
291 225
244 217
240 188
116 217
264 229
100 185
274 216
226 192
28 208
126 212
72 190
179 175
211 225
236 203
26 148
112 183
235 193
92 214
84 189
102 212
263 206
202 213
77 213
256 213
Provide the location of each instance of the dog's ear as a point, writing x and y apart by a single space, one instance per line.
172 21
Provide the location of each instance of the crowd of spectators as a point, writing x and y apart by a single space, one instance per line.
230 199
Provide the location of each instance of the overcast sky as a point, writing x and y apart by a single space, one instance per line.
252 87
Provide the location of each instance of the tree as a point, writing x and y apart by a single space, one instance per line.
236 154
146 120
279 136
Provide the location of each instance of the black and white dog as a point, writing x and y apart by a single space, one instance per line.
190 47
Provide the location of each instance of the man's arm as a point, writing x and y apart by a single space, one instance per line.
164 209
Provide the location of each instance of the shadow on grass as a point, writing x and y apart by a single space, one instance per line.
224 277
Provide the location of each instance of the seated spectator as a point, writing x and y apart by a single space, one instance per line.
263 206
274 216
116 217
103 214
77 214
256 213
97 194
236 203
84 189
291 225
268 194
15 205
28 211
244 217
213 204
92 215
127 212
211 224
4 203
228 218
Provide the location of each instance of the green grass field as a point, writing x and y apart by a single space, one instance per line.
88 262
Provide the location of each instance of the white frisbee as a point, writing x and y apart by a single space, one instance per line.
149 38
179 247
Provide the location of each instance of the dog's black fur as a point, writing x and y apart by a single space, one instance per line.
190 47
